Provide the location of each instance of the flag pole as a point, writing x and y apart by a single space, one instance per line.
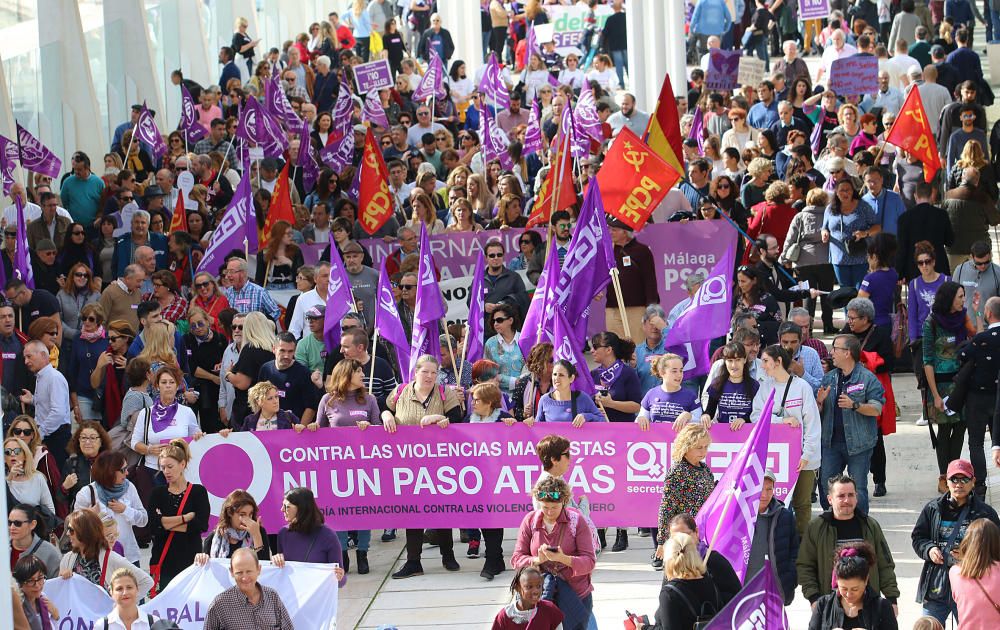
718 526
451 351
465 351
371 377
550 252
621 302
225 158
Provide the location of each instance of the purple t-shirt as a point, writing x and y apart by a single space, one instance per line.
734 403
881 288
661 406
919 300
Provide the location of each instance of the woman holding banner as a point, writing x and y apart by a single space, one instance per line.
669 402
563 404
422 402
239 526
797 408
90 556
618 389
729 398
30 574
305 538
125 615
530 387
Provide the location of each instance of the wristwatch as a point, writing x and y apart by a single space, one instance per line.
855 405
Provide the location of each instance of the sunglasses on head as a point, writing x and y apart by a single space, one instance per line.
554 495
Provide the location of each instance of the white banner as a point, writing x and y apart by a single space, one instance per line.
456 296
308 591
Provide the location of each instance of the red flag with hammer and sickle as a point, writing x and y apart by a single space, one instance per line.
374 198
912 132
634 179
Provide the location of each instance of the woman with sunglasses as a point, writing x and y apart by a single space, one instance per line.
78 290
25 428
88 441
107 373
558 540
208 298
205 349
25 483
111 493
531 258
176 148
502 348
75 249
740 133
28 538
30 572
85 352
91 557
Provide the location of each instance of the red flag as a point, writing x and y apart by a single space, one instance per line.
561 170
664 131
912 133
374 198
179 222
634 179
281 206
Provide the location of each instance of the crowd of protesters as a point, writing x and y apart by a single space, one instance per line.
121 351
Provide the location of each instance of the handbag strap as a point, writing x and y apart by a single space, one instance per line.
104 566
996 606
180 512
958 526
687 602
312 542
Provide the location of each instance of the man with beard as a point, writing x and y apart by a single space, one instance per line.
779 285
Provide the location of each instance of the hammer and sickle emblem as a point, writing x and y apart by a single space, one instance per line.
634 157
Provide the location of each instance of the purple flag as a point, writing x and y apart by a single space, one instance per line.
373 111
354 192
586 122
147 132
567 349
476 334
495 141
22 261
339 301
729 516
579 143
257 127
307 158
429 309
343 111
387 321
533 134
530 45
338 153
432 84
35 156
759 604
492 87
587 268
232 231
816 139
189 124
698 129
542 309
8 162
276 103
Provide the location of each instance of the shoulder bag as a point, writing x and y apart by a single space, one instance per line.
701 620
156 569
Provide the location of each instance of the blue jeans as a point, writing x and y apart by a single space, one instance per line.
758 44
995 19
620 59
941 610
834 460
364 539
850 275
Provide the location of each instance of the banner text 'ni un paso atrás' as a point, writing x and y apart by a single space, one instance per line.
463 475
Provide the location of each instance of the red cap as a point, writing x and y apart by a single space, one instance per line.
960 467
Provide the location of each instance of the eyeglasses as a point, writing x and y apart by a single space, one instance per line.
526 241
90 438
407 287
722 186
202 285
81 274
13 452
500 320
10 234
562 226
842 348
90 318
423 113
286 506
118 337
157 284
925 261
22 432
13 522
553 495
959 481
128 198
197 324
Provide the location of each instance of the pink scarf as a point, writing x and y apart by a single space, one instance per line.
92 336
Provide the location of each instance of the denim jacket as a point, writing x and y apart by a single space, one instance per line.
861 431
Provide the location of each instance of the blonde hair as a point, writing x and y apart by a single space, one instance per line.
159 344
777 191
36 436
177 450
759 166
817 197
124 572
258 331
927 623
686 439
659 367
240 21
483 199
847 107
972 155
681 558
257 394
29 459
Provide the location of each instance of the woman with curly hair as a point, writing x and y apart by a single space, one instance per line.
533 384
347 402
759 172
266 412
774 214
280 260
688 483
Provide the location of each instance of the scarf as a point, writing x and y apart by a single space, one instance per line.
954 323
44 614
92 336
611 374
111 493
220 542
113 395
493 417
162 416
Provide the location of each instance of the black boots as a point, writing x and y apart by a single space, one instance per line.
346 566
362 562
410 569
621 540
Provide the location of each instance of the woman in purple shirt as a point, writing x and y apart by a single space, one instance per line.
618 389
919 299
879 285
564 405
306 538
669 402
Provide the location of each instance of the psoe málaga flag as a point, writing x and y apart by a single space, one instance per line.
912 132
634 179
760 604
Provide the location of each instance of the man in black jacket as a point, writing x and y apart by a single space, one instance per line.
923 222
779 285
934 537
980 402
775 537
503 286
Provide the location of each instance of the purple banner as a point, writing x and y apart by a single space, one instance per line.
372 76
854 75
463 475
813 9
723 69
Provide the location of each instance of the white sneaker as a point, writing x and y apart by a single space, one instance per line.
921 421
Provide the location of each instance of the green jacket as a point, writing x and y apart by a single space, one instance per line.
815 561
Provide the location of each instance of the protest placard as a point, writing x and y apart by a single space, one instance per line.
751 71
814 9
464 475
372 76
723 69
854 75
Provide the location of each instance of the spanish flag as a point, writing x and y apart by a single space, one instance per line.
664 132
912 133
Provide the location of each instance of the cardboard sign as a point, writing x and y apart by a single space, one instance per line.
373 76
723 69
854 75
751 71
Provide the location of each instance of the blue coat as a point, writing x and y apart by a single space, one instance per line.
125 249
82 361
860 431
711 17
